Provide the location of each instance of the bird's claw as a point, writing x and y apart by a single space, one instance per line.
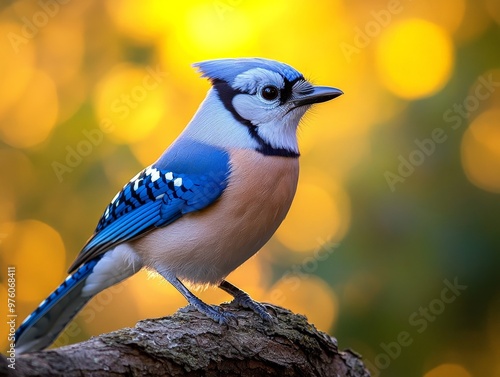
217 314
223 317
246 302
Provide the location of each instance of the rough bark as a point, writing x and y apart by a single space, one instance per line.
189 344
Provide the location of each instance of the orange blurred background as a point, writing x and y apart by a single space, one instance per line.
399 177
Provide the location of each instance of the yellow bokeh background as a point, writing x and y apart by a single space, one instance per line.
414 58
91 92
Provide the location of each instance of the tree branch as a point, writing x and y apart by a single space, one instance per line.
190 344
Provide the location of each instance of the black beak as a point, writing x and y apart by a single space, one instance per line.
318 95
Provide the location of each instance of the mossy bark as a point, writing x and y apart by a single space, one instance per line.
189 344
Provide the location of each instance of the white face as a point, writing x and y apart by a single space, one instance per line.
268 104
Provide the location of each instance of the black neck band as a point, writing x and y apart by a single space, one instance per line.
226 94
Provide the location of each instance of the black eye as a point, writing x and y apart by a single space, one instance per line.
269 93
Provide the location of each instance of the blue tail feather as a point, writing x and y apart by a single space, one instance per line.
43 326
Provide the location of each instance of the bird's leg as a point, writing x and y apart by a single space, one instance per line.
210 311
242 298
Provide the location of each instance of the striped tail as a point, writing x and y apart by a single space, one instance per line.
43 326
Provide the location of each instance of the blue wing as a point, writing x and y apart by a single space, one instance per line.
157 196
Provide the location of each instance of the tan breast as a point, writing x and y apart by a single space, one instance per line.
205 246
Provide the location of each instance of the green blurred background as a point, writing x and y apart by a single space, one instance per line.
392 243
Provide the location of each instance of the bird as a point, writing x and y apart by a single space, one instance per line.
211 201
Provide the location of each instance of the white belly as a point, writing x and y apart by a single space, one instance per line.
205 246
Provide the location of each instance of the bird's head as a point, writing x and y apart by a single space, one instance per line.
267 97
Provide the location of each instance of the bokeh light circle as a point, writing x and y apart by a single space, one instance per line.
313 215
131 99
414 58
31 120
294 292
448 370
38 253
481 151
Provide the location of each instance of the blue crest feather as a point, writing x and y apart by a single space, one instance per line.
228 69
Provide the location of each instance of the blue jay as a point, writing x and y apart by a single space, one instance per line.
209 203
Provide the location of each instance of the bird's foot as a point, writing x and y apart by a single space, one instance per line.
214 312
211 311
244 300
241 298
